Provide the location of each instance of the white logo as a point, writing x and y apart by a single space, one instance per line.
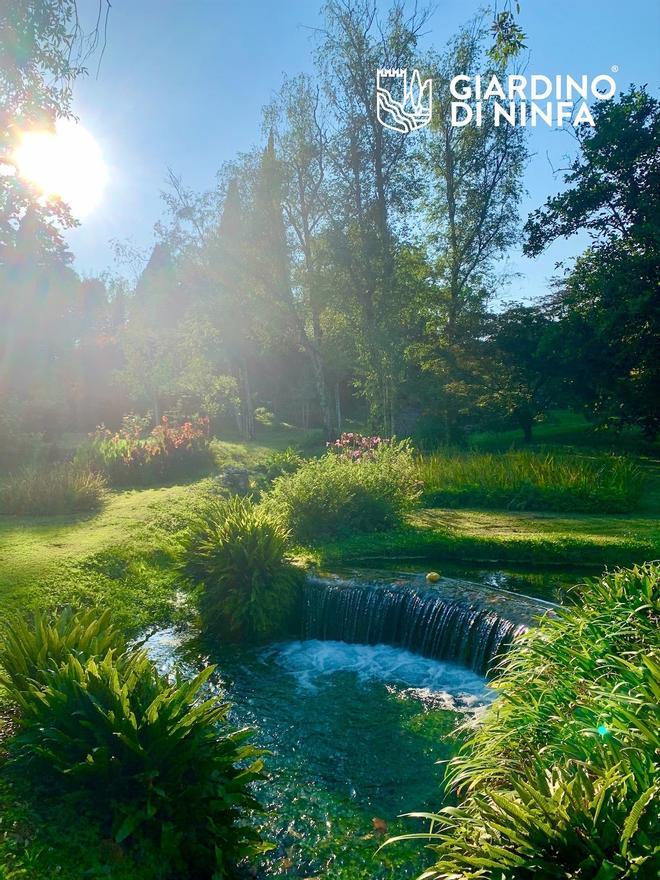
412 110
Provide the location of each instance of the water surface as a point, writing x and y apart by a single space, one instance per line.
355 733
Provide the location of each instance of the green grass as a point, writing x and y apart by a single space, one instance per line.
562 428
498 536
524 480
232 451
120 557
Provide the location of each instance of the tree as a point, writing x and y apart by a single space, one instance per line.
523 379
474 176
43 50
298 132
609 302
371 184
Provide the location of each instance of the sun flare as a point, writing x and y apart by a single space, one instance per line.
66 163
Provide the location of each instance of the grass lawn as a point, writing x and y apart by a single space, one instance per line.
502 536
123 556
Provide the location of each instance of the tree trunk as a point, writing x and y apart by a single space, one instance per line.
247 408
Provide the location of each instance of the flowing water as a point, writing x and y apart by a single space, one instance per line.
356 727
449 620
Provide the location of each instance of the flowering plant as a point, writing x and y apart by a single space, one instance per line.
355 447
137 454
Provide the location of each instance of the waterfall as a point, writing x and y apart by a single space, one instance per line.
454 620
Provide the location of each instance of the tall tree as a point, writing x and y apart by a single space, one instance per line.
471 210
609 302
295 119
372 181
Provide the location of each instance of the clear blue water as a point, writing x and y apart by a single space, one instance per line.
355 733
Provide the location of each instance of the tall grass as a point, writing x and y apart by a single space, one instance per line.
561 780
58 488
531 481
334 495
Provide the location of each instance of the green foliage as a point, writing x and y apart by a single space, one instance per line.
561 780
30 649
531 481
607 304
156 759
332 495
279 463
237 552
138 456
58 488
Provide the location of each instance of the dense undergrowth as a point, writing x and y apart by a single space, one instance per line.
336 495
237 553
561 779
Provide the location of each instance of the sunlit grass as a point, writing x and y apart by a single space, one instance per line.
531 481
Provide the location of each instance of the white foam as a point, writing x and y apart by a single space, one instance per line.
313 660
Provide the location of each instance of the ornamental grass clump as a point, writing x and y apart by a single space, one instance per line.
561 780
55 489
154 762
341 493
237 552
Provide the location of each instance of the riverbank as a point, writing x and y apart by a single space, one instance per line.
122 557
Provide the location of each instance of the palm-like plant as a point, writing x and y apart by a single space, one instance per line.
155 760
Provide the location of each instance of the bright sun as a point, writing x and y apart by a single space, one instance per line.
66 163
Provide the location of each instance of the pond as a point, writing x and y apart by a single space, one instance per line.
355 733
355 730
551 584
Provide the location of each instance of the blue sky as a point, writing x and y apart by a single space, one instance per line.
182 86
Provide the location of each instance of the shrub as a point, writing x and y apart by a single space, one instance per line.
531 481
336 495
148 755
28 650
61 488
237 552
279 463
136 456
561 780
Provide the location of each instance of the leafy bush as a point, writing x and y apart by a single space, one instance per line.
561 780
136 456
61 488
28 650
237 552
531 481
279 463
149 756
335 495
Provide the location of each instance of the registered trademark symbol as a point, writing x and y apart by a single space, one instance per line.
615 68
